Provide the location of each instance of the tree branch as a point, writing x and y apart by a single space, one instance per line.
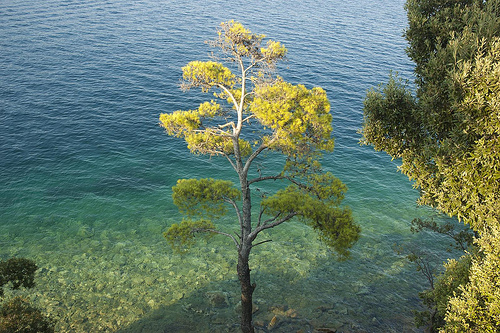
230 95
266 241
249 117
265 226
255 62
239 108
220 233
216 131
260 216
231 123
260 179
237 210
253 156
230 161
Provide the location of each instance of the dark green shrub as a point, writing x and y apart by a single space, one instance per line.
19 316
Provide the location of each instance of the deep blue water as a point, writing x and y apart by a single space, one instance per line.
86 172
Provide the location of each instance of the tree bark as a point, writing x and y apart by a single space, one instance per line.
246 289
243 268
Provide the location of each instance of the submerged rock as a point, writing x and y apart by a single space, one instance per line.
85 231
217 299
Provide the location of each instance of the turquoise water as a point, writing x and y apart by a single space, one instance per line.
86 172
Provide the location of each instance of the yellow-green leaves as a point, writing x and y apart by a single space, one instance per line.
181 236
265 113
476 307
237 40
204 197
273 51
207 74
200 139
299 118
240 43
209 109
211 142
180 123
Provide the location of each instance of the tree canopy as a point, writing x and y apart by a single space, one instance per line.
446 132
255 111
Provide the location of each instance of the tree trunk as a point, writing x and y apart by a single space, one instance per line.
246 290
243 268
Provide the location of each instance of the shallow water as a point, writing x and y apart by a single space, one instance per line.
86 172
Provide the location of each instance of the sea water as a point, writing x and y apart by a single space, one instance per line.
86 172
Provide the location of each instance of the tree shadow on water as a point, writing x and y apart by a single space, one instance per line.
209 309
375 291
215 308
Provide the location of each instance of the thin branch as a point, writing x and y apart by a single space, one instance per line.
230 161
237 210
216 131
255 62
260 216
239 107
266 241
230 95
253 156
220 233
211 151
272 219
231 123
260 179
249 117
248 94
252 65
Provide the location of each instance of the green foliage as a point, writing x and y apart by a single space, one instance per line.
455 276
431 25
204 197
472 180
182 236
476 307
20 272
19 316
317 206
447 137
299 118
388 111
